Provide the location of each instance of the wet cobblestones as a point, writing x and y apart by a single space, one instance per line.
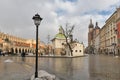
91 67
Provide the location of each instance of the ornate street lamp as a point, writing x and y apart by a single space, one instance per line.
37 19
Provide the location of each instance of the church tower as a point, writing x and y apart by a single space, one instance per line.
97 29
90 33
91 26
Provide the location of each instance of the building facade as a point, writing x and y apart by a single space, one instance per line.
97 44
102 40
109 35
12 44
118 30
77 49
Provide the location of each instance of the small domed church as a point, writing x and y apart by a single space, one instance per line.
60 48
58 42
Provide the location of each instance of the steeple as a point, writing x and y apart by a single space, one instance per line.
90 21
97 27
91 25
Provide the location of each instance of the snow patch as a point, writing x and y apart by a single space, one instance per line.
116 56
8 60
43 75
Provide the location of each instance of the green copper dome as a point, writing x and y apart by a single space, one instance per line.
60 36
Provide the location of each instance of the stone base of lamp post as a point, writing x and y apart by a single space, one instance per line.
43 75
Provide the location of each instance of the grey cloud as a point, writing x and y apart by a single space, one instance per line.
16 16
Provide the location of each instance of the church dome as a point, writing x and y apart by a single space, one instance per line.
60 36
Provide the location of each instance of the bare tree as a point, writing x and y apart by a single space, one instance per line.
68 33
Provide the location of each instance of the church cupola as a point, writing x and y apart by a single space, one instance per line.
61 30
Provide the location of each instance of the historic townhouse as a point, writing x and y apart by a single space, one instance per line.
102 39
118 30
111 37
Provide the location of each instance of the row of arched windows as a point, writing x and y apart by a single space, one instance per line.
20 50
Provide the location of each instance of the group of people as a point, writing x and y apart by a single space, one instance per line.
2 53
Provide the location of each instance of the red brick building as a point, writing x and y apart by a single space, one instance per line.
90 33
93 31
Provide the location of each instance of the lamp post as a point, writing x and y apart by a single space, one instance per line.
37 19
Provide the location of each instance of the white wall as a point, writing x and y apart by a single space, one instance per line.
78 50
58 43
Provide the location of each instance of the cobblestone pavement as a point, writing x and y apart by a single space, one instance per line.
104 67
91 67
14 68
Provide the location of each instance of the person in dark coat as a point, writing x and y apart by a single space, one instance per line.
23 56
0 52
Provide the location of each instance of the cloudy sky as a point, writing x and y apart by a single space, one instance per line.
16 16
